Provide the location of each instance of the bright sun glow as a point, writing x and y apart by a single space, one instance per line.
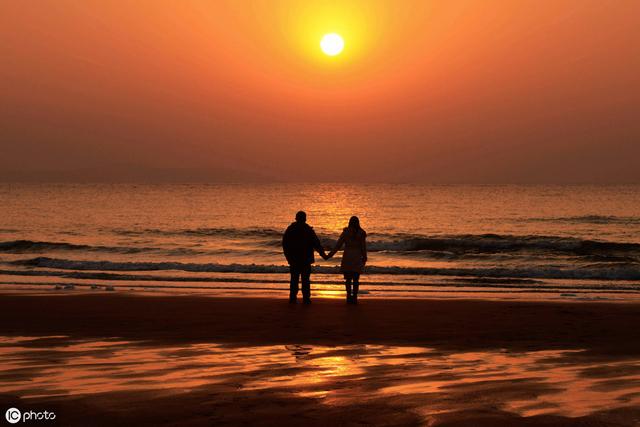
332 44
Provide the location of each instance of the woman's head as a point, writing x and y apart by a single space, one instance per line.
354 223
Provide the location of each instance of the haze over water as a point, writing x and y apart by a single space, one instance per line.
570 242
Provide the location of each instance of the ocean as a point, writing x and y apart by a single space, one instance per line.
551 242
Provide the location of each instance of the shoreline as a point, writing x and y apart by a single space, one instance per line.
326 290
591 325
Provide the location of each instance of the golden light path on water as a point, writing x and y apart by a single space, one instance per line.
543 382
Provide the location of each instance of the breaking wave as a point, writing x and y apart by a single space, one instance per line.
438 246
30 246
591 219
492 243
620 271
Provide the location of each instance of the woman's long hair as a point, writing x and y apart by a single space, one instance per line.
354 225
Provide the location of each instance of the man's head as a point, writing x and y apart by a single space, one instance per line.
301 217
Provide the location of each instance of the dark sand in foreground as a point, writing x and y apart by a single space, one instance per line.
601 338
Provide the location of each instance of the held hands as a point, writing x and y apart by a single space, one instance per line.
327 256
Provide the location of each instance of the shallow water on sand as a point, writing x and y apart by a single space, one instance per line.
430 382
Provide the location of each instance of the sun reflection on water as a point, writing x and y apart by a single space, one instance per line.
524 383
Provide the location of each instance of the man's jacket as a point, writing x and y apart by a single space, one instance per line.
299 243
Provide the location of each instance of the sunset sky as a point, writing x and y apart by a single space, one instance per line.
488 91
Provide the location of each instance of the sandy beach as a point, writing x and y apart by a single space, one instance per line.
127 359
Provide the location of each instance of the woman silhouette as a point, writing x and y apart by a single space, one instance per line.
354 257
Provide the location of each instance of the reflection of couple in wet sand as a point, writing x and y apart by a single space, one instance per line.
300 243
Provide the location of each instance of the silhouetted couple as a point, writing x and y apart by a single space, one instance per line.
300 243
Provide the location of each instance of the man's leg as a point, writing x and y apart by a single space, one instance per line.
293 284
305 272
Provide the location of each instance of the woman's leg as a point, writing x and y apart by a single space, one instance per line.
347 286
356 286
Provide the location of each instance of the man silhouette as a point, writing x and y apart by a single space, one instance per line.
299 243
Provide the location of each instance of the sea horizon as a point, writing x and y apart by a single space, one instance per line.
224 239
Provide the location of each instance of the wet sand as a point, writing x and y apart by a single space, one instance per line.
125 359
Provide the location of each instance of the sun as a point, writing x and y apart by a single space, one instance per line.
332 44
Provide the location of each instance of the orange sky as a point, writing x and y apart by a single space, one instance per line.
425 91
